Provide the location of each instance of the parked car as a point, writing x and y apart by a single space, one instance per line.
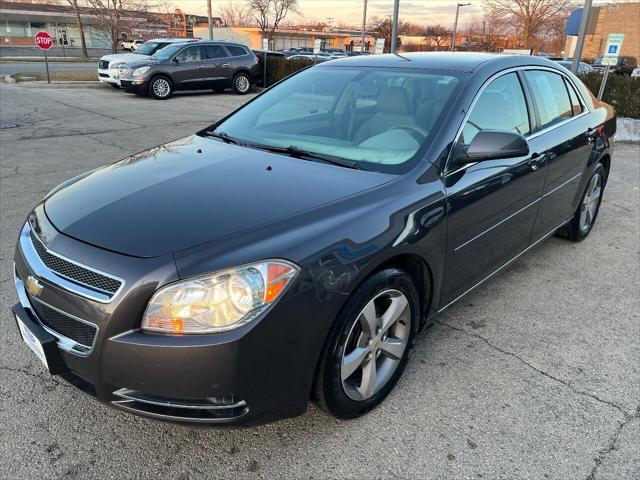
109 65
625 65
131 45
636 72
582 67
295 248
270 54
199 65
319 58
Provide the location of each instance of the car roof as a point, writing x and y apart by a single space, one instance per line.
172 40
458 61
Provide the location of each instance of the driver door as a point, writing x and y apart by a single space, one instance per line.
190 73
492 205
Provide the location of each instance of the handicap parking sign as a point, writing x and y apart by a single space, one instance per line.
613 49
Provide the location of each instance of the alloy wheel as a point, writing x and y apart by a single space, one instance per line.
242 83
590 202
375 344
161 87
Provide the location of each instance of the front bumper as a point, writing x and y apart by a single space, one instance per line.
258 373
134 85
108 75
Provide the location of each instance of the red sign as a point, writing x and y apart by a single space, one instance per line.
43 40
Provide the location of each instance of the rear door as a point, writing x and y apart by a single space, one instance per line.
190 73
219 65
492 205
563 127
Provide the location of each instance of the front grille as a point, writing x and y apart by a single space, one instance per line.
72 328
103 75
73 271
103 64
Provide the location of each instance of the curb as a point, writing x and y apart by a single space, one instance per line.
69 84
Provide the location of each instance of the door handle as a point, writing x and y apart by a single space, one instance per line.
536 161
226 65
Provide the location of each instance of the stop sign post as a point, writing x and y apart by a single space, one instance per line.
45 42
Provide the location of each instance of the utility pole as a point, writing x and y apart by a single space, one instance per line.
455 25
394 26
210 19
364 24
582 33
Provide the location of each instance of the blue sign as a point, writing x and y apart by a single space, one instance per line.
613 49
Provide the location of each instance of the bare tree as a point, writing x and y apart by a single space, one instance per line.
382 27
437 34
236 14
528 16
270 13
114 16
76 10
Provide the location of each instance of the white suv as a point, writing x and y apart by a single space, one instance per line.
109 65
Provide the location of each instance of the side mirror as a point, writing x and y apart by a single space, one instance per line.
175 60
494 145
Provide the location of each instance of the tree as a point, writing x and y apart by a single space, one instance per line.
76 11
114 15
236 14
528 17
270 13
437 34
382 27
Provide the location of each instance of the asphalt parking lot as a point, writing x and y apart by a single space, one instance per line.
534 375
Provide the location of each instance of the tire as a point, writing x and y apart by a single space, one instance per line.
241 83
340 388
160 87
585 216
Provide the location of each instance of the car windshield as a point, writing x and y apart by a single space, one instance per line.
167 52
374 118
147 48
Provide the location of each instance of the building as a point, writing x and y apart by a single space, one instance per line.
623 17
19 22
286 38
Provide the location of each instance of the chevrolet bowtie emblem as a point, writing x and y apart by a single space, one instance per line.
33 286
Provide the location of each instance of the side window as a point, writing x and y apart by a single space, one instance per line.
190 54
576 106
236 51
550 95
501 106
215 51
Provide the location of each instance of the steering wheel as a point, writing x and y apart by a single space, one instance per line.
420 134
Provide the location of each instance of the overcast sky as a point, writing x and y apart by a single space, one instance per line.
350 11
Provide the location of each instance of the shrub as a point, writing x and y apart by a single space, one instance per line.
279 68
621 92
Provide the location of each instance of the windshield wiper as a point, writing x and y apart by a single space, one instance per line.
306 155
225 137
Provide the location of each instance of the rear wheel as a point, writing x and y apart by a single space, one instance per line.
241 83
160 88
369 346
583 219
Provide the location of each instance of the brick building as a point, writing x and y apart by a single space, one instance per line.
622 17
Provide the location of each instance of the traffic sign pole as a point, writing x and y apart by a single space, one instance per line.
46 64
610 57
603 83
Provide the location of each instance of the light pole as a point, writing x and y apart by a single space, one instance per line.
364 24
455 25
394 26
210 19
582 33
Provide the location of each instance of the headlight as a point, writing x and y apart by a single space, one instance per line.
220 301
116 65
140 71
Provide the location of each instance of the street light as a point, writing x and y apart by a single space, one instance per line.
455 25
364 24
394 26
210 18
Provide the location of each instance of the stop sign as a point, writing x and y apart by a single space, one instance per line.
43 40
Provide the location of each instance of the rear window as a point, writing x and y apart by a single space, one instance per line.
236 51
551 97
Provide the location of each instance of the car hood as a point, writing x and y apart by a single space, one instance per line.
125 57
193 191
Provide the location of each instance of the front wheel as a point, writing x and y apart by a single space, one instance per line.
583 219
160 88
241 83
369 346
